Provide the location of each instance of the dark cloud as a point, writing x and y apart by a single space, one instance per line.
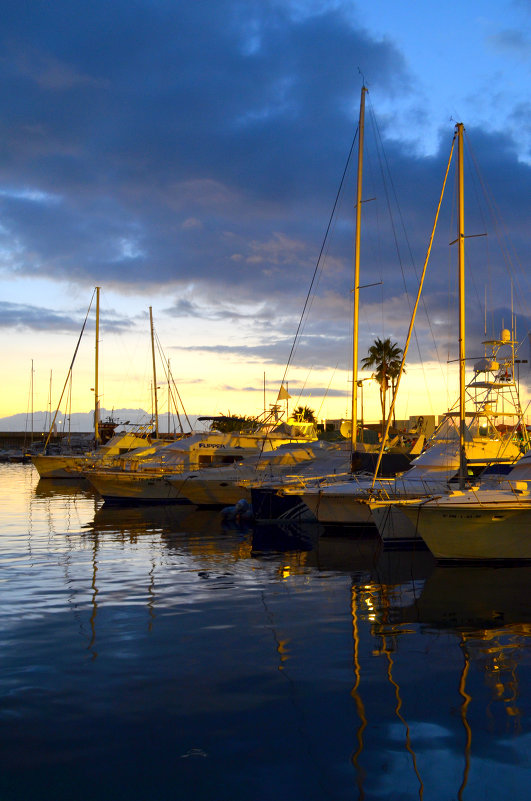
15 315
318 351
512 42
297 391
175 137
185 307
35 318
198 147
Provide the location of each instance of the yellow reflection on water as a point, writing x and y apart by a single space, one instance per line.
360 708
467 698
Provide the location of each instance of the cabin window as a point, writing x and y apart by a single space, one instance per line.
483 428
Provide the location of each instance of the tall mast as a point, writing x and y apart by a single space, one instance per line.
154 373
96 388
461 269
46 425
361 128
31 440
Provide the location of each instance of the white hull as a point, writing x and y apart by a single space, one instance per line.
496 531
57 466
347 503
73 466
340 508
394 527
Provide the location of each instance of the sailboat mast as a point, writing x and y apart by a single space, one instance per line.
154 373
169 398
461 266
31 440
96 368
361 129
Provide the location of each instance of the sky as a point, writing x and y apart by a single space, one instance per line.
187 156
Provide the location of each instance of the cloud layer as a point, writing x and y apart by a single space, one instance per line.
197 148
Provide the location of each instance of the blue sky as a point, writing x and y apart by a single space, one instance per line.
186 156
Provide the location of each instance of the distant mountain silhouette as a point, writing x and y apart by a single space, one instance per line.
84 421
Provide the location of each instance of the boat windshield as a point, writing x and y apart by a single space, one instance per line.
483 427
479 427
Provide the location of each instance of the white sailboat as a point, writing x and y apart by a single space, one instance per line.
466 441
482 521
68 465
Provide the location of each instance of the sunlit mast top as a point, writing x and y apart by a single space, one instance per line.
97 437
461 269
361 127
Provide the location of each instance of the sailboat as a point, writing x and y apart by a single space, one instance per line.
63 465
465 443
490 519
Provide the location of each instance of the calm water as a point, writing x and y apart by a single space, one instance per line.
151 654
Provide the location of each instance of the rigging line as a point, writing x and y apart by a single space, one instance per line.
412 322
320 255
375 245
499 227
326 393
404 230
69 370
472 182
304 385
322 259
378 138
176 388
171 382
317 283
379 152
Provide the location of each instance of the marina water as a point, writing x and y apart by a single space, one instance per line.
152 653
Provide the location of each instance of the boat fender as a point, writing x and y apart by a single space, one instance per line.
239 513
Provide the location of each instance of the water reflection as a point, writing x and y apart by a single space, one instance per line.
476 596
487 612
63 488
283 655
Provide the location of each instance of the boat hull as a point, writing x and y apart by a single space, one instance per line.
57 466
337 508
210 491
395 527
486 532
124 487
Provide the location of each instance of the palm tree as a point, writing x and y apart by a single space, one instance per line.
385 357
304 414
